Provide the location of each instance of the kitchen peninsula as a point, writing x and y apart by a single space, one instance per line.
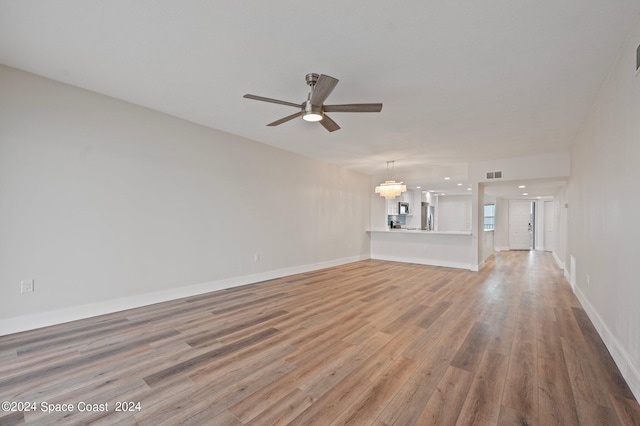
439 248
450 244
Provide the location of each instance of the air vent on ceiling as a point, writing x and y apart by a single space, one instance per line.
494 175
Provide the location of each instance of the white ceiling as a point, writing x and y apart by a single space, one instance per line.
460 81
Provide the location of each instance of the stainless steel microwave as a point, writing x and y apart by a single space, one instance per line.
403 208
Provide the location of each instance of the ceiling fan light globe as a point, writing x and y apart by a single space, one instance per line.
312 116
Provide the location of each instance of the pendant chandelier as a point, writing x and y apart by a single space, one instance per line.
390 188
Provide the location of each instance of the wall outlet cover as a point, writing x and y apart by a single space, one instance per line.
26 286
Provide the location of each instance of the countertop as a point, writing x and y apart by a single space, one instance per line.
416 231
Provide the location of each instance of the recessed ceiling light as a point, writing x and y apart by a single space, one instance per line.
442 193
525 193
468 189
447 178
418 187
459 184
538 197
522 186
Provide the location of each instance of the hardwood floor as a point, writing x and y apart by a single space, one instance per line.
371 343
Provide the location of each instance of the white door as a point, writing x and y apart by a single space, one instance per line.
549 225
520 225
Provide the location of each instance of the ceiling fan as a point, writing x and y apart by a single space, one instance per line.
313 109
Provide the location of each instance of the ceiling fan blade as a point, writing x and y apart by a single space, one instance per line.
273 101
329 124
285 119
323 88
353 108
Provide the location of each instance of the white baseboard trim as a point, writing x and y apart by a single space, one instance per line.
74 313
429 262
620 356
559 262
484 262
496 248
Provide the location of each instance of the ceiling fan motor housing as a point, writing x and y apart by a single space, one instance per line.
312 112
312 79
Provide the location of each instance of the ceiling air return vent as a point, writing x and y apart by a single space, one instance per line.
494 175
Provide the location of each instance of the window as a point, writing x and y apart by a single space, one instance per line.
489 216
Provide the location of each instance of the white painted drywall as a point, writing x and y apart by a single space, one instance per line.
552 165
487 247
548 224
561 228
477 224
101 200
454 213
378 214
603 200
501 233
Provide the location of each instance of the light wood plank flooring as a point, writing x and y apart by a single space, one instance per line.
368 343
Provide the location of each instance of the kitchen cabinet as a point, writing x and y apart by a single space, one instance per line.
392 206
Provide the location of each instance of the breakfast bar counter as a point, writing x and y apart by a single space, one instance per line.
417 231
438 248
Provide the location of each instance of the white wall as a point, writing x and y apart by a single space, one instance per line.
476 208
454 213
501 233
487 247
102 200
378 213
561 230
604 232
541 166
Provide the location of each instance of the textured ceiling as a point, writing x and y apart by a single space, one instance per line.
460 81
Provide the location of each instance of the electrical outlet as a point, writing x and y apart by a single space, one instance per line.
256 257
26 286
